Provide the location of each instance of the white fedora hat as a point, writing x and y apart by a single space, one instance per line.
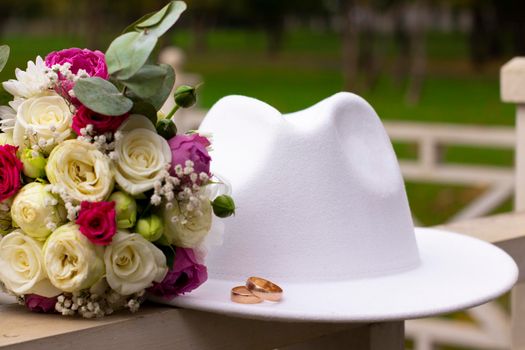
322 212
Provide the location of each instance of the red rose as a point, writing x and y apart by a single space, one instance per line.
97 221
10 168
101 123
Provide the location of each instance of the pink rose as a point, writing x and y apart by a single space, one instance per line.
97 221
38 303
10 169
101 123
186 275
190 147
93 62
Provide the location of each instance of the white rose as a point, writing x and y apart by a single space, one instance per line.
133 263
32 82
72 262
44 121
36 211
190 231
81 170
141 155
22 267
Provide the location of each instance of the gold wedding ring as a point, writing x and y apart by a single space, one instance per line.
242 295
264 289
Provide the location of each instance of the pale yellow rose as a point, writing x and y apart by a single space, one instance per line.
81 170
188 233
36 211
141 155
22 267
133 263
44 121
72 262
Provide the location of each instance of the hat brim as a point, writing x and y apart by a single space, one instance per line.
456 272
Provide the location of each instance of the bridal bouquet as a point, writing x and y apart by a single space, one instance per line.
101 201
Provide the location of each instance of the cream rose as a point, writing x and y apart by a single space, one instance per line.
141 155
190 232
81 170
133 263
44 121
22 267
72 262
36 211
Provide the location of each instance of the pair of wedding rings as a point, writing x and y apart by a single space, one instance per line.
255 291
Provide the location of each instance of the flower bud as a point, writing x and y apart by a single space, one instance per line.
223 206
185 96
126 208
34 163
151 227
166 128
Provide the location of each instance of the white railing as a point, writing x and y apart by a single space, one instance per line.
431 138
490 328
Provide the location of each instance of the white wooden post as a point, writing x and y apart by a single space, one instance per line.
512 80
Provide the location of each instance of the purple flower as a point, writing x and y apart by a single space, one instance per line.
93 62
190 147
38 303
186 275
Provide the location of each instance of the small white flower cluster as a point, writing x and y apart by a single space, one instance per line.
39 144
105 143
72 210
60 72
185 188
91 305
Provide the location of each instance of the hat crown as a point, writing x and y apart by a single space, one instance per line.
319 192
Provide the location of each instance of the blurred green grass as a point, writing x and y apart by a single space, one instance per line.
308 69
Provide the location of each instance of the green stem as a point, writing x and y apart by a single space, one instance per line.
170 114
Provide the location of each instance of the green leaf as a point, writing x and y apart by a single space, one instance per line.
173 12
169 253
128 53
147 81
146 109
4 55
164 92
102 97
133 26
153 18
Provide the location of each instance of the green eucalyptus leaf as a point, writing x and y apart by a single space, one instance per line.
145 18
147 81
154 18
102 97
4 55
174 10
146 109
128 53
164 92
